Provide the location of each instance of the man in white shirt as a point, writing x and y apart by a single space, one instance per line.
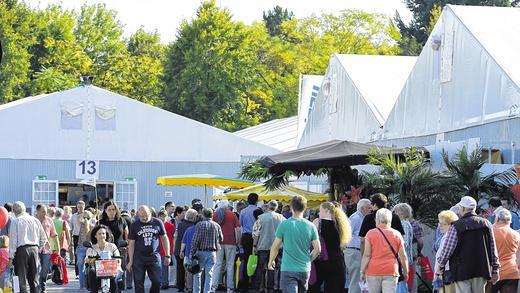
26 237
352 253
75 226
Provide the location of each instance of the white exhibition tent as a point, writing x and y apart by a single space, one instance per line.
356 96
309 89
88 122
467 74
280 134
284 134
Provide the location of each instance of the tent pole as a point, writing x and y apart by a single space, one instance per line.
205 195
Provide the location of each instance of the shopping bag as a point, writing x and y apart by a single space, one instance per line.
425 268
16 284
252 262
402 287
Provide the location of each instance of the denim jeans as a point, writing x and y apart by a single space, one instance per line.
80 259
45 266
261 272
152 268
230 252
165 271
294 282
207 264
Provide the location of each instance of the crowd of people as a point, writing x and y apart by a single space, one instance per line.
198 249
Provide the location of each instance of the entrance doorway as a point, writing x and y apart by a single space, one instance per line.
69 193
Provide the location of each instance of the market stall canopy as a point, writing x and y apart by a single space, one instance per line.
330 154
203 180
283 194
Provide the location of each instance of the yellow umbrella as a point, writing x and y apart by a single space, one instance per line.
283 194
203 180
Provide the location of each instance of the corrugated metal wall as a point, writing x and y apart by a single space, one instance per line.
497 135
16 177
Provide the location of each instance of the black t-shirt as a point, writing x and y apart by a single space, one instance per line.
117 227
146 236
369 223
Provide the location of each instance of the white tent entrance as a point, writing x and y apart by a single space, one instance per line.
68 192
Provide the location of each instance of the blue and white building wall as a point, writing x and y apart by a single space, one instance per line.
52 146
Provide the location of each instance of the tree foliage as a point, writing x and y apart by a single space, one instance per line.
274 18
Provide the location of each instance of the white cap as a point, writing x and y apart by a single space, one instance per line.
468 202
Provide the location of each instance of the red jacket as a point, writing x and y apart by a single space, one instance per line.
56 259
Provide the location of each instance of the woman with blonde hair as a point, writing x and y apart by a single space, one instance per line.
335 232
444 282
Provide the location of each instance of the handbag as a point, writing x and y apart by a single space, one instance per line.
401 278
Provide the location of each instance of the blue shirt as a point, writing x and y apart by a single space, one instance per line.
247 219
356 219
187 239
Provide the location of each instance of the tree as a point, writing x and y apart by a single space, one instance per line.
416 33
16 24
274 18
57 59
208 69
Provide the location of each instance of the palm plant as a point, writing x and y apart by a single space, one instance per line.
409 179
467 180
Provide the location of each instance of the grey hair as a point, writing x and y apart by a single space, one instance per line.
58 213
362 203
504 216
145 207
384 216
403 209
190 215
273 205
18 208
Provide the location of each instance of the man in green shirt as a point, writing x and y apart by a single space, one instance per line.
297 234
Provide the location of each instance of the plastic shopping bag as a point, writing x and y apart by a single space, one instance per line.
252 262
426 269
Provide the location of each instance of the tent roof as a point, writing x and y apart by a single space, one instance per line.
468 74
111 127
282 193
330 154
379 78
498 30
280 134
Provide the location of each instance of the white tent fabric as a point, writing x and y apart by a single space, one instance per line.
307 95
33 130
356 96
280 134
467 74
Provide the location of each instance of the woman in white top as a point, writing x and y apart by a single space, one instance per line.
100 243
446 218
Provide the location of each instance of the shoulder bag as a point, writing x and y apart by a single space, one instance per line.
401 278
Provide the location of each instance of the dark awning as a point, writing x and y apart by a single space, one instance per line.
330 154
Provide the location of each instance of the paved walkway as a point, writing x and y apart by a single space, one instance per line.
73 285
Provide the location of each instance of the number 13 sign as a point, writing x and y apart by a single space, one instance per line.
87 169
